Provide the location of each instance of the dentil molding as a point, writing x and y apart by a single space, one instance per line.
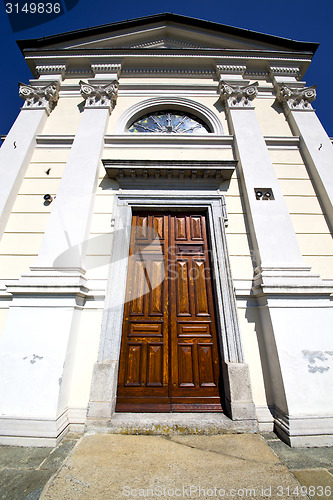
40 97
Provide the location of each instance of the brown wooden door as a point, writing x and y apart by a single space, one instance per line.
169 356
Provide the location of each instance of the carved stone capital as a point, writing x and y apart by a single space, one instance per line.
236 96
100 96
295 98
40 97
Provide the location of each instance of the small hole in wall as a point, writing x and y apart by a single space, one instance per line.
264 194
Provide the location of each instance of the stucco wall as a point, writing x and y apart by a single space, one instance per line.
307 216
25 227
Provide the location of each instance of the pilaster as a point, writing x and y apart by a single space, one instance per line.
38 344
316 146
19 144
63 245
294 304
276 249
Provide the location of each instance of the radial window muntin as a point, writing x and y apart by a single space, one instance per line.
169 122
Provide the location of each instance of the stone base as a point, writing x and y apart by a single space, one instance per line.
265 418
238 394
40 432
103 392
172 424
304 431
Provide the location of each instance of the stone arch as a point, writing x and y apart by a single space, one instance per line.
177 103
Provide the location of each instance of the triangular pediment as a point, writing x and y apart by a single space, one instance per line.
166 31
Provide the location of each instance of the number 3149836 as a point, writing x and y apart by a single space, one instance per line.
33 8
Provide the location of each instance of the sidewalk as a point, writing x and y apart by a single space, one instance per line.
114 466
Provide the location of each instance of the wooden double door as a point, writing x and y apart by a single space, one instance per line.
169 358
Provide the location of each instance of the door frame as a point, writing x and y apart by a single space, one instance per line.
236 380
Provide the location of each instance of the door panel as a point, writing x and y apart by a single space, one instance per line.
169 357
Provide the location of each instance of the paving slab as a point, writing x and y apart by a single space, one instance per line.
301 458
24 471
113 466
318 482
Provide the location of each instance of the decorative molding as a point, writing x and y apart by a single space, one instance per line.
163 140
256 73
295 98
51 69
40 97
170 141
98 96
230 68
280 142
180 103
171 71
167 43
285 71
106 68
236 96
75 72
176 174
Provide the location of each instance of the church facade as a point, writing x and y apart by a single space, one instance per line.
166 252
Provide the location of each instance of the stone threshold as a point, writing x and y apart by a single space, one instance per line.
172 424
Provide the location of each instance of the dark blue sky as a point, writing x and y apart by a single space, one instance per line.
305 21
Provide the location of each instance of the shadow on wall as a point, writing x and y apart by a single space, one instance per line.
252 316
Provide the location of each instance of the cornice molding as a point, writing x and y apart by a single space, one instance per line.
165 42
179 174
295 98
164 140
227 69
37 97
236 96
100 96
256 73
51 69
167 71
285 71
105 68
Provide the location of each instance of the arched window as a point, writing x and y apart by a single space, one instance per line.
169 122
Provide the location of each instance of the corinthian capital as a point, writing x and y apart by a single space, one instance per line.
236 96
40 97
100 96
294 98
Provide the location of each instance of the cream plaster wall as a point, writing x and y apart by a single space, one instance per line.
21 241
65 117
85 356
308 219
271 118
158 153
249 320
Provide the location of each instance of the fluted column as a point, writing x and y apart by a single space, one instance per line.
316 146
19 144
68 227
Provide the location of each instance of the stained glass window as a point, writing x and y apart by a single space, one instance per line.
169 122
